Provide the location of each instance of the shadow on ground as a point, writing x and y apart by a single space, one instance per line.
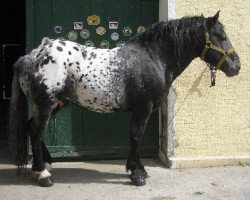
65 176
80 174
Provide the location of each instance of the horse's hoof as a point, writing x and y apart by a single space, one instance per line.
144 174
46 182
137 179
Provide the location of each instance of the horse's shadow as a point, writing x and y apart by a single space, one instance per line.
78 175
65 176
8 172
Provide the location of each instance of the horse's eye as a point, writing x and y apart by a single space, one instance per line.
222 36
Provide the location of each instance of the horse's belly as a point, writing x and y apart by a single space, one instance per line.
98 98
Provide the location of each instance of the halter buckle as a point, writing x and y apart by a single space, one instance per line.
208 44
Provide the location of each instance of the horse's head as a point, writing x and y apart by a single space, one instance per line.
218 51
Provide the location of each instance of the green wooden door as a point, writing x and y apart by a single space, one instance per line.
73 131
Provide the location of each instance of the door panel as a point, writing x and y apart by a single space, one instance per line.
74 131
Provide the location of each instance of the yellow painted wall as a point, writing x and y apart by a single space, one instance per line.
215 121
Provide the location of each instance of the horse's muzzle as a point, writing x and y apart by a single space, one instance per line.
233 72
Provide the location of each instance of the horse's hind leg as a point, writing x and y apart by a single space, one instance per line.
45 153
36 130
139 120
46 157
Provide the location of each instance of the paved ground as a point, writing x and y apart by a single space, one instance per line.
108 180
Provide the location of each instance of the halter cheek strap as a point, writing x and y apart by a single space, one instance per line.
224 53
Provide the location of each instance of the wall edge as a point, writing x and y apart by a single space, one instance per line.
208 161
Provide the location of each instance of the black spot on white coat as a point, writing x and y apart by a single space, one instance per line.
59 48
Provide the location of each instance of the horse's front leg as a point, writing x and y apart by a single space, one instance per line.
36 130
140 117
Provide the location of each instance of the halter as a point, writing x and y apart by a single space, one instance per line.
224 53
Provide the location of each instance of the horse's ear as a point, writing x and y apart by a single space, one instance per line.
216 16
211 21
202 15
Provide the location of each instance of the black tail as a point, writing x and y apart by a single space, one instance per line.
18 120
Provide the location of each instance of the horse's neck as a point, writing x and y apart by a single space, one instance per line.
182 49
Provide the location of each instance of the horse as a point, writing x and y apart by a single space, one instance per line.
133 77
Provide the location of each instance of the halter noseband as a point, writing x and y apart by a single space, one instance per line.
225 54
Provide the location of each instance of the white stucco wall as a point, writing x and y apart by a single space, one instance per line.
210 126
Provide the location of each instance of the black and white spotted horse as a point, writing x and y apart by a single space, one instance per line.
134 77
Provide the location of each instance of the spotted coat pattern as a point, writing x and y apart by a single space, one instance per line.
93 77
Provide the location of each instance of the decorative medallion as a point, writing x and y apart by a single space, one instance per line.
104 44
141 29
115 36
60 38
93 20
58 29
45 39
72 35
84 34
120 43
78 25
100 30
127 31
113 25
89 43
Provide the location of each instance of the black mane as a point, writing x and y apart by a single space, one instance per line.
176 29
178 39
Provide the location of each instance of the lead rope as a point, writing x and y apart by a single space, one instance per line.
213 77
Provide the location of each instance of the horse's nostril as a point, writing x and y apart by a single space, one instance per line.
238 66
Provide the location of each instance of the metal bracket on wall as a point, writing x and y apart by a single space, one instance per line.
4 93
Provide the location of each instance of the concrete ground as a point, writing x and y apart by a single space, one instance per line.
108 179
